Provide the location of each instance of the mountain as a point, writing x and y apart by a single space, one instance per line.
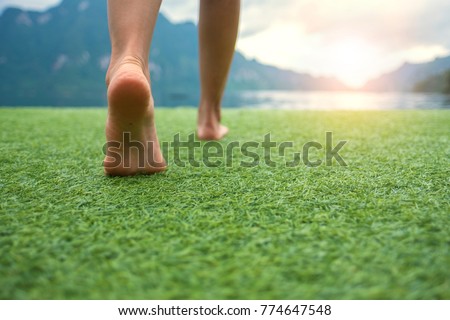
60 56
436 83
407 76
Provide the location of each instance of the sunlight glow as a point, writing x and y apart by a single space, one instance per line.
351 61
353 40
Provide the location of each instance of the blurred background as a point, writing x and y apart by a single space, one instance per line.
291 54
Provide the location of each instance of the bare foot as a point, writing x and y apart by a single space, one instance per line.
209 126
132 143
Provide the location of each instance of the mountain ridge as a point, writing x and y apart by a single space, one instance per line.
59 57
407 76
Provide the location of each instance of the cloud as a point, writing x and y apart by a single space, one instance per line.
324 36
28 4
395 23
308 35
313 35
180 10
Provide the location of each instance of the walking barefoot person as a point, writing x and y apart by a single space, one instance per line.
130 101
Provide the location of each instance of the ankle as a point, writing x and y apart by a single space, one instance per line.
209 114
129 93
208 122
126 60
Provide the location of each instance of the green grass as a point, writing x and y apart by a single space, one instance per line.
376 229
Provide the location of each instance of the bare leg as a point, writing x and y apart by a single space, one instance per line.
218 27
130 101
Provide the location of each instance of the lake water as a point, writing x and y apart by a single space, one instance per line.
315 100
337 100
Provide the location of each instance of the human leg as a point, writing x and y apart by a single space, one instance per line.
218 28
130 101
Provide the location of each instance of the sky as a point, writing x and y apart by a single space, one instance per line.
353 40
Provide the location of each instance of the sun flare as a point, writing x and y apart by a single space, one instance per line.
352 59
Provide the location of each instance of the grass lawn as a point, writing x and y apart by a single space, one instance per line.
375 229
